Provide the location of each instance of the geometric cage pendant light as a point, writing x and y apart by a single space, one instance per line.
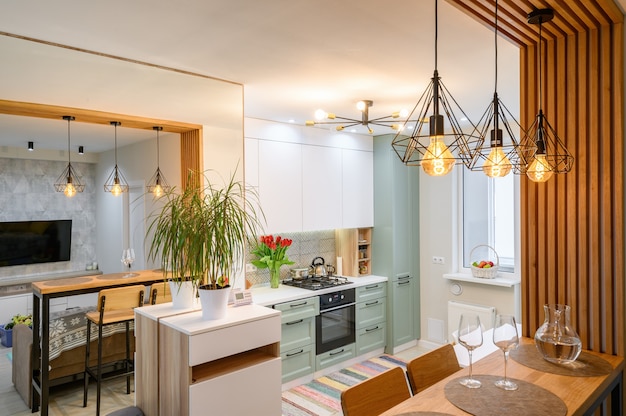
501 151
116 183
438 140
157 184
69 181
551 156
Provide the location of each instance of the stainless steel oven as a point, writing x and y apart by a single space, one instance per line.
335 325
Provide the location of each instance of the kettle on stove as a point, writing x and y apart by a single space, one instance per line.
318 268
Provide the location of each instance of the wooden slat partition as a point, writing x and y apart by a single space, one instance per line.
572 226
570 251
190 155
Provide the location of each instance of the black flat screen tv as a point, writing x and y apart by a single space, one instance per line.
32 242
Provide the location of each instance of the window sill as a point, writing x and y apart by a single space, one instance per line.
496 281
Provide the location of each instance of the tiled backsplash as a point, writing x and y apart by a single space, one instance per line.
306 246
27 193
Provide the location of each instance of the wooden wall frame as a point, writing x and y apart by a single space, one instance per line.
191 134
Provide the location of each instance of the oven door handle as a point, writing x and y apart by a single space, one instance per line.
337 307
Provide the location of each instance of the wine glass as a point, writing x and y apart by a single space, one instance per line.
470 337
506 338
128 257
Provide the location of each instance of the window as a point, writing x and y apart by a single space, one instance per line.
489 216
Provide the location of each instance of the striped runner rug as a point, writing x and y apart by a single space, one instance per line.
322 396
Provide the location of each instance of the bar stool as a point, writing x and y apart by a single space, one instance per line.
160 293
114 306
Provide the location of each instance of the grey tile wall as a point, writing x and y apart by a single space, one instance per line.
27 193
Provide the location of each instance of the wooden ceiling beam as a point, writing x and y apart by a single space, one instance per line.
56 112
570 17
507 24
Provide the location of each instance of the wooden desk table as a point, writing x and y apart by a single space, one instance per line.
581 395
42 293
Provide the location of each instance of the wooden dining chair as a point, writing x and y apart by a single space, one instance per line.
427 369
375 395
160 293
116 305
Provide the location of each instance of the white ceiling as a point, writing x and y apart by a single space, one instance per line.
292 56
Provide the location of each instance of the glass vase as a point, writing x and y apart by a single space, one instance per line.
274 277
556 340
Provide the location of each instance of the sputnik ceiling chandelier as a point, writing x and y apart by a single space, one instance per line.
550 154
441 147
341 123
69 181
116 183
501 152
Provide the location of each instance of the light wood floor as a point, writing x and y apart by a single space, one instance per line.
66 400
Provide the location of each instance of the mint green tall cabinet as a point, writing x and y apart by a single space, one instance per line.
395 241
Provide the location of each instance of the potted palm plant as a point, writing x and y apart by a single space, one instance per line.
200 234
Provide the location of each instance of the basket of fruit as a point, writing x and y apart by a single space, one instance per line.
485 262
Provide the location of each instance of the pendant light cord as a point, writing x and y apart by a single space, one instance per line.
158 159
540 58
69 155
436 31
115 145
495 41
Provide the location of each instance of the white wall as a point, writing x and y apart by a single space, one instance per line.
137 162
438 202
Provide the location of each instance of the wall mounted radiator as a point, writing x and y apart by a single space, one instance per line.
487 315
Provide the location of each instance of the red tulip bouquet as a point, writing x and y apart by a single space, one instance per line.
272 254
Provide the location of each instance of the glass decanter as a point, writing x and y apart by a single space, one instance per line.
556 340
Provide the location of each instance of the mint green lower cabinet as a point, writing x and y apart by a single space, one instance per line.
371 291
298 362
297 343
335 356
371 317
371 312
370 338
297 333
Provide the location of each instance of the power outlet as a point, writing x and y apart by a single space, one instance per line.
439 260
250 268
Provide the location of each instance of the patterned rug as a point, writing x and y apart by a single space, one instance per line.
322 396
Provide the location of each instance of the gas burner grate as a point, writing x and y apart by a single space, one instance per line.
317 283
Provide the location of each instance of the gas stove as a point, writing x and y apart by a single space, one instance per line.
317 283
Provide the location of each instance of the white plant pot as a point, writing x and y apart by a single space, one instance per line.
214 302
183 294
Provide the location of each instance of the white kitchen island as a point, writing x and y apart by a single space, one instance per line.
228 366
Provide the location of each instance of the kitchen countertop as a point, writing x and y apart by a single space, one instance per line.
264 295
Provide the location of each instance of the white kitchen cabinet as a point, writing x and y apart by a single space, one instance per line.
321 199
205 365
308 180
280 185
357 188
